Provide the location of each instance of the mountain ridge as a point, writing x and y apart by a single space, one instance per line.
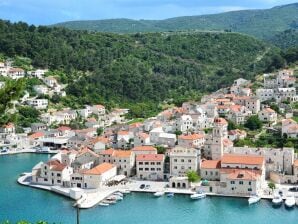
261 23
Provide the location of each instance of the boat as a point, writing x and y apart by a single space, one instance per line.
290 201
277 199
104 204
109 201
253 199
124 191
198 195
159 193
118 194
170 194
296 199
115 197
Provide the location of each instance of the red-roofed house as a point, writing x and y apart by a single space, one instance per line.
146 149
268 115
52 172
234 174
123 159
289 127
99 144
98 109
192 140
95 177
8 128
141 139
150 166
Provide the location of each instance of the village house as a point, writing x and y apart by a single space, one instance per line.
50 81
34 138
35 127
289 128
85 159
184 124
16 73
142 150
234 175
183 160
238 114
141 139
268 115
39 104
41 89
150 166
99 144
124 139
236 134
192 141
159 137
98 109
51 173
8 128
93 178
123 159
38 73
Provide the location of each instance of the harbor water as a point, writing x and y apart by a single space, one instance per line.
23 203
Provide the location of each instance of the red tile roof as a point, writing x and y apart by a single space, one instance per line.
242 159
150 157
296 163
64 128
100 169
210 164
240 174
220 120
144 148
191 137
55 165
36 135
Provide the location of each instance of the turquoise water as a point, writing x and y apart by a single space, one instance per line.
23 203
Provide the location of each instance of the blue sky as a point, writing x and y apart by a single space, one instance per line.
52 11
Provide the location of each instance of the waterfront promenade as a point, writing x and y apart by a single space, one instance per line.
92 197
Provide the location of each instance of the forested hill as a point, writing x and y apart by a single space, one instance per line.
141 67
259 23
286 39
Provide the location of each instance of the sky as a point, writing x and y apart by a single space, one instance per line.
46 12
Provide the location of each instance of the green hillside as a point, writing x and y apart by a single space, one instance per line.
259 23
140 68
286 39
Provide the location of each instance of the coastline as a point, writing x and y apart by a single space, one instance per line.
94 196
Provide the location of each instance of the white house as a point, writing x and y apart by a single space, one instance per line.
183 160
191 141
268 115
39 104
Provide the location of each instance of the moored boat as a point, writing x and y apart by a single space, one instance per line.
170 194
277 199
159 193
198 195
253 199
290 201
104 204
118 194
124 191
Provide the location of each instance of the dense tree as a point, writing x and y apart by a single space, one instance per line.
193 176
253 123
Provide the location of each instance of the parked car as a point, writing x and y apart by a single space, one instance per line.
142 186
293 189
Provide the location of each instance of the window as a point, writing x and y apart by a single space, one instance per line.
146 163
158 163
249 183
58 175
249 189
140 169
146 169
58 181
175 160
241 182
232 182
206 172
175 167
140 163
152 163
152 169
189 160
52 174
182 160
211 173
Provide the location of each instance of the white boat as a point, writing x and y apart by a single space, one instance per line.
198 196
109 201
253 199
290 201
159 193
104 204
170 194
277 199
124 191
115 197
296 199
118 194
